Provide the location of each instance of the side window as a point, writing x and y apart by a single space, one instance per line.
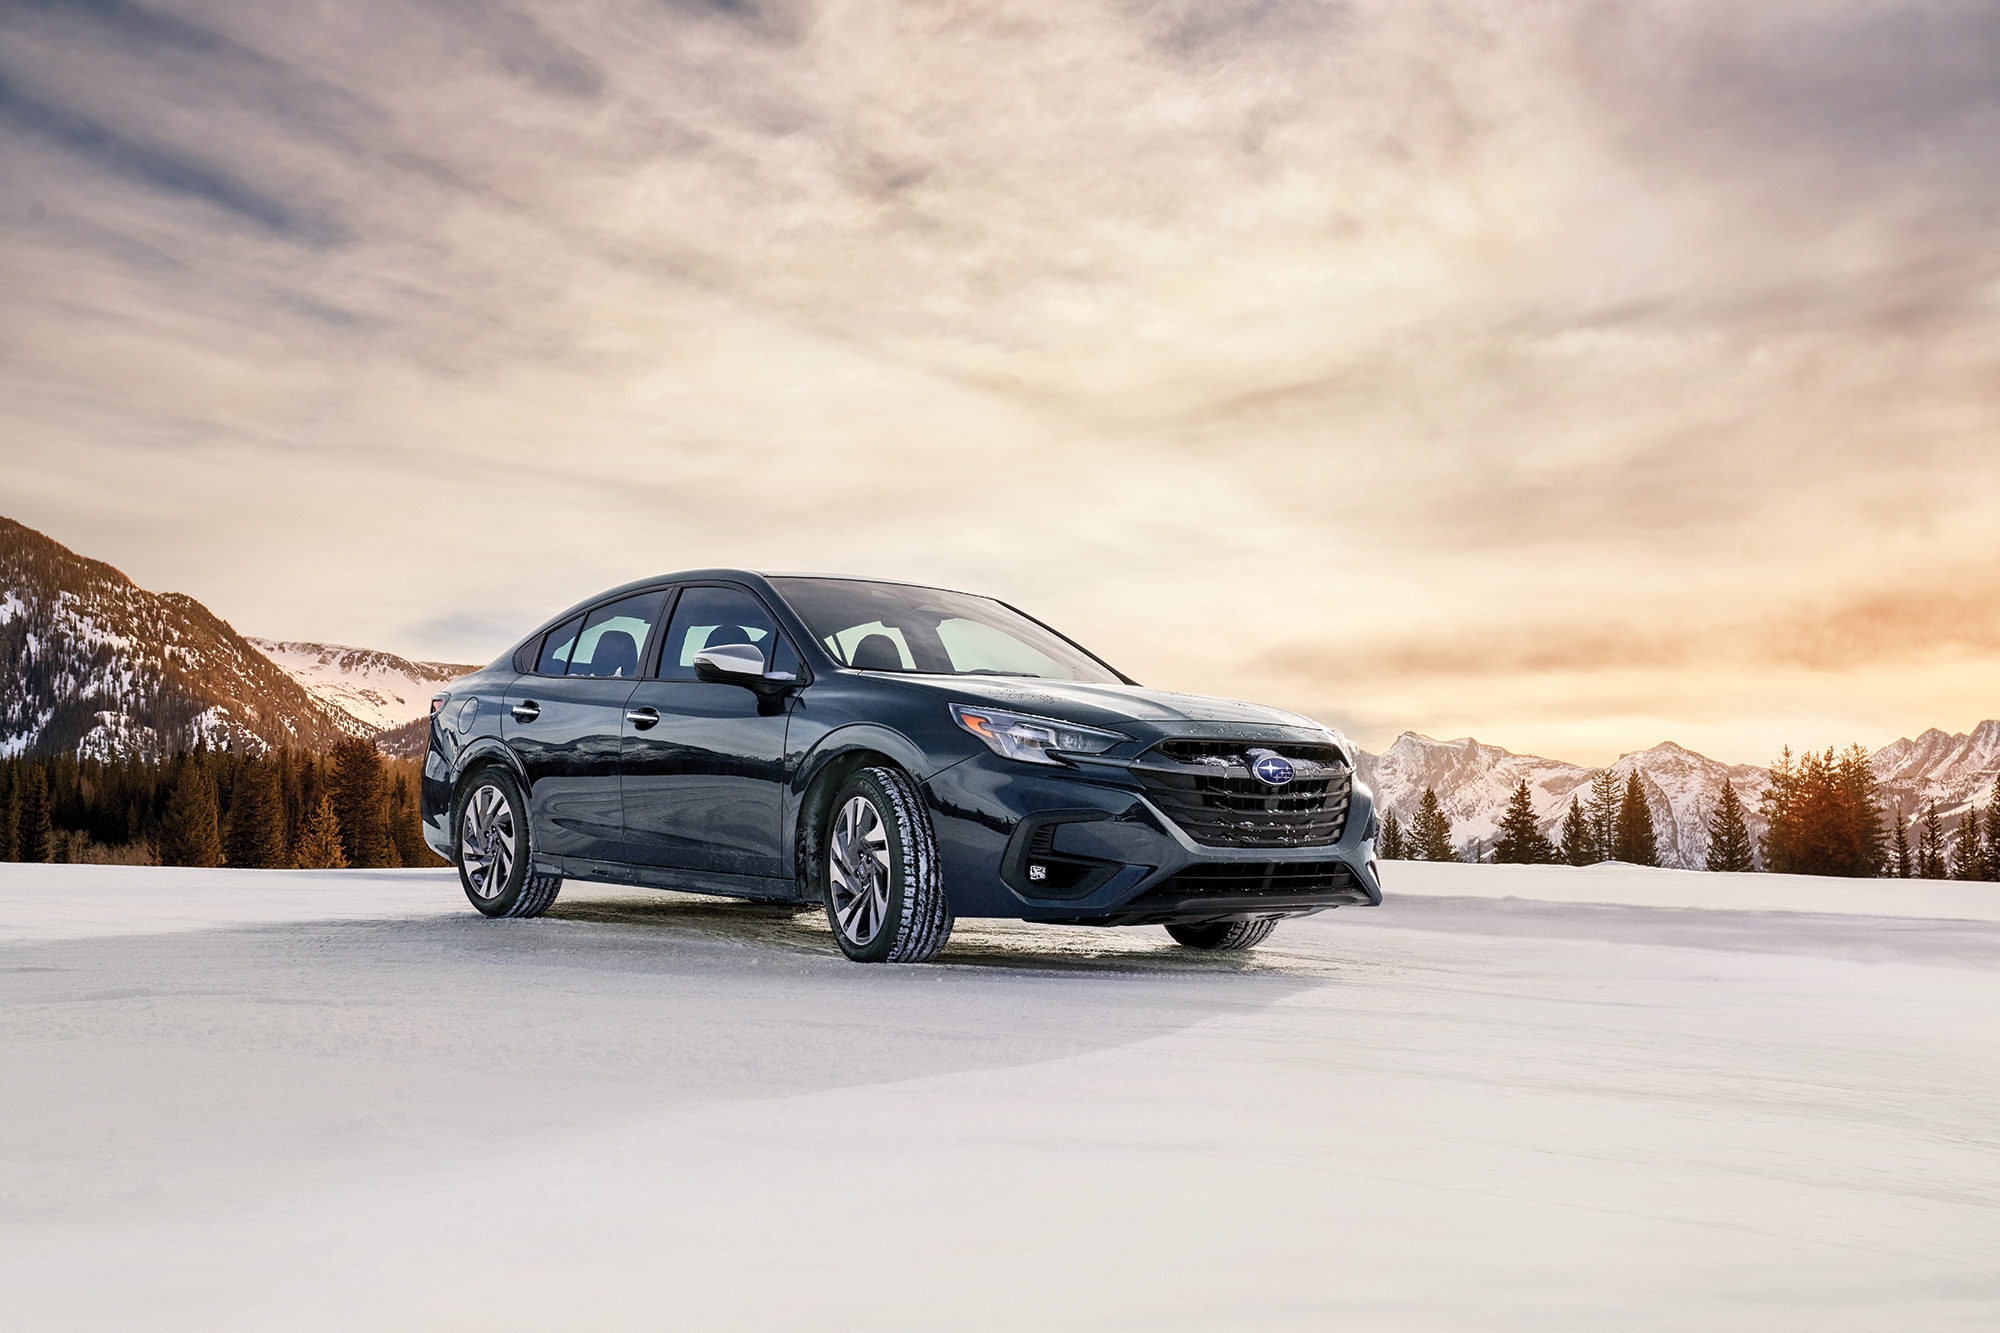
557 645
710 618
614 635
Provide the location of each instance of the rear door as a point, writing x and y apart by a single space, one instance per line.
704 764
564 724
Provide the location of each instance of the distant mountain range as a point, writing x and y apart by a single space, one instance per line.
1474 781
378 691
95 665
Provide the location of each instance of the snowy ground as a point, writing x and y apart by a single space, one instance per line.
1535 1099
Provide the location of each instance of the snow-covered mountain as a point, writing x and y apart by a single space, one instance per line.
92 664
1474 781
1955 771
375 691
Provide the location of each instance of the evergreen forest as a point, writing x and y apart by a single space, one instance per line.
282 809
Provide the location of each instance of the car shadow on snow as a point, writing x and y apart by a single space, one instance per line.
1005 945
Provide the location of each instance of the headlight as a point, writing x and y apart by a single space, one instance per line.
1032 739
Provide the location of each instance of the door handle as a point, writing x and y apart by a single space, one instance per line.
642 718
526 711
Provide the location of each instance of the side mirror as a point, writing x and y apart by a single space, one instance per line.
742 664
729 664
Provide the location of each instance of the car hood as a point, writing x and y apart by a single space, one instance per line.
1133 709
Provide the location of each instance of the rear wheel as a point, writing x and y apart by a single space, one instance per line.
884 896
1224 934
494 862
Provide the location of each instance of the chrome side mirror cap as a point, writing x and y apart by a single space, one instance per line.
732 661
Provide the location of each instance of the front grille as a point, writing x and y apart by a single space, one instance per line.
1207 788
1252 879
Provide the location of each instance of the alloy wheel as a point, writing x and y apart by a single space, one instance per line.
858 870
486 841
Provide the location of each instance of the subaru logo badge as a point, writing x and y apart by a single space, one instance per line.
1273 770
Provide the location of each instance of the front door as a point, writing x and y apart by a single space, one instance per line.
705 764
563 722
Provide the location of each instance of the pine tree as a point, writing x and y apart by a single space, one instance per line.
312 784
1824 817
1521 842
1579 843
291 797
1968 850
1603 810
10 812
1900 866
1390 846
1782 803
37 837
1930 845
190 831
1867 847
361 800
1430 832
319 839
1728 835
1634 842
405 829
256 824
1993 832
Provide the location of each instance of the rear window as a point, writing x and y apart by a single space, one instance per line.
557 645
615 635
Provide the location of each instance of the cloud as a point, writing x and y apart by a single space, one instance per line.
156 168
522 47
1427 365
1876 628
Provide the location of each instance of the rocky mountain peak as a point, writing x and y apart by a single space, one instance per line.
94 664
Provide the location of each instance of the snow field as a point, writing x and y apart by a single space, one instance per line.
1615 884
284 1100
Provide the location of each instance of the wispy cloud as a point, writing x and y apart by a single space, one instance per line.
1384 359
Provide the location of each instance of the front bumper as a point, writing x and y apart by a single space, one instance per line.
1109 856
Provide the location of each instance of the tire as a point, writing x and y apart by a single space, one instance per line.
1220 935
495 848
884 896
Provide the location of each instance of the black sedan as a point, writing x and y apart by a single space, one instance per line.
903 755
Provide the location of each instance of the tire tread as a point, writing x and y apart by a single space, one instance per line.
923 923
1225 935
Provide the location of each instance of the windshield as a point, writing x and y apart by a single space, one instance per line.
895 627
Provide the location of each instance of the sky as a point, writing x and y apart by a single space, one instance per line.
1575 376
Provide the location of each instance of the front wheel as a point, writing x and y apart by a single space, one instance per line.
1224 934
493 848
884 895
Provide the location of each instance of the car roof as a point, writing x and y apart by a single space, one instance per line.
765 575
